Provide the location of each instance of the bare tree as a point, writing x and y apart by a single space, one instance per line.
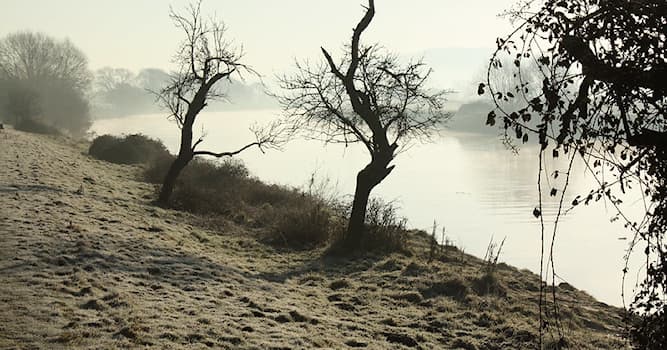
368 98
204 58
35 57
107 78
44 79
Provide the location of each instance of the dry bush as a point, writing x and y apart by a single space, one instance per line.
385 228
456 288
208 187
157 168
129 149
308 218
290 217
36 126
304 224
489 283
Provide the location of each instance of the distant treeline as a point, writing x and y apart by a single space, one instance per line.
43 84
118 92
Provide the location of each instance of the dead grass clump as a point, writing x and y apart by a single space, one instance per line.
414 269
385 230
291 217
466 342
304 224
69 337
340 284
207 187
412 297
455 288
489 284
128 149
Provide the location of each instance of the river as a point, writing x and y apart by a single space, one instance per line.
469 183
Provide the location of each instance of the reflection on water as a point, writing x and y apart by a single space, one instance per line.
469 183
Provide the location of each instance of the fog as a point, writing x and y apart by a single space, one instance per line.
130 47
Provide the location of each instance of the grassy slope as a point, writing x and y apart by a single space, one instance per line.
87 262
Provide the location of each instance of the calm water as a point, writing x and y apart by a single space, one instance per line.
469 183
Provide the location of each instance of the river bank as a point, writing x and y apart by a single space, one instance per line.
86 261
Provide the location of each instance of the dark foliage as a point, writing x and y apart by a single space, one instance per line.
602 96
289 217
129 149
384 230
35 126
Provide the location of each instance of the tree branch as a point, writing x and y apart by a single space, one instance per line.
653 78
229 154
356 35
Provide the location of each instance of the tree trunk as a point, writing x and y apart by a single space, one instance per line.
355 227
185 155
367 179
170 180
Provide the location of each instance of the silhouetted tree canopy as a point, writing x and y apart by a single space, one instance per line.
204 58
602 96
367 97
45 79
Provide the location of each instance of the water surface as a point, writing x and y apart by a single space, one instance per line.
470 183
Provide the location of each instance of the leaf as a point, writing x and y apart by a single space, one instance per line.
480 89
525 138
491 118
543 60
536 212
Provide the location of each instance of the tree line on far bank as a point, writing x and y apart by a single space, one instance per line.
46 86
43 84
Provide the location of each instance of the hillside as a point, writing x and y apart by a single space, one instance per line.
87 262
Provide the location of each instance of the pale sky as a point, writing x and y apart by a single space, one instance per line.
137 34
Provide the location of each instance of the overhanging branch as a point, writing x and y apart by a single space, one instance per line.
228 154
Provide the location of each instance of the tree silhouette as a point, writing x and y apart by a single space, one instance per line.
204 58
603 97
368 97
44 78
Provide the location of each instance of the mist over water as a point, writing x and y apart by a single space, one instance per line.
469 183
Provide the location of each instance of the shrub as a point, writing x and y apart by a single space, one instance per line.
129 149
489 284
157 168
208 187
385 229
308 222
455 288
212 187
384 233
35 126
289 216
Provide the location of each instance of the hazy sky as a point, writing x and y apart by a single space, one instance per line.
138 33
